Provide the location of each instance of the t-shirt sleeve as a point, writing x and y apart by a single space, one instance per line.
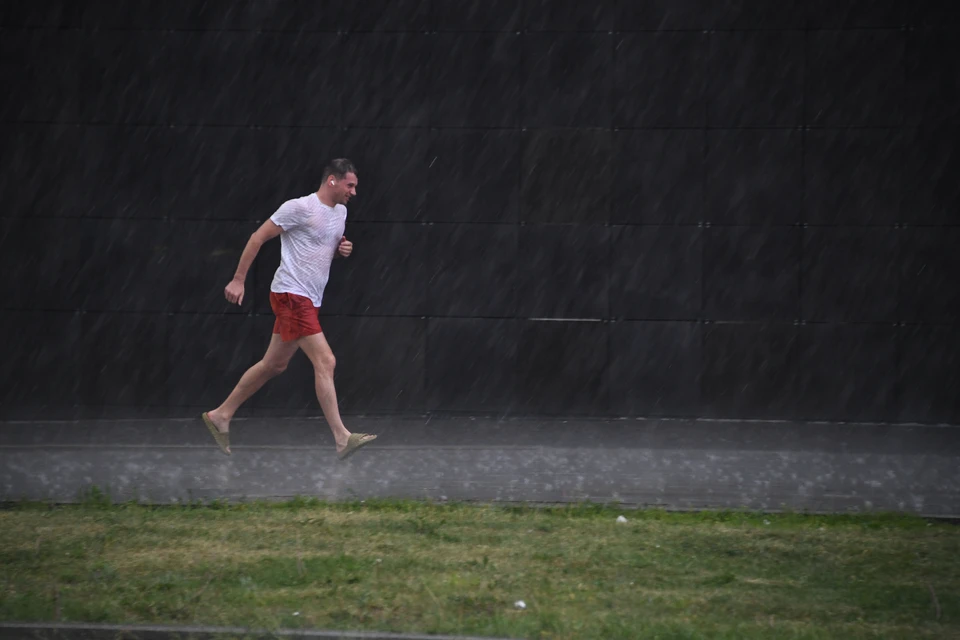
288 216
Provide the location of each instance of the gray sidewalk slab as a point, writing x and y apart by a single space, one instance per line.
675 464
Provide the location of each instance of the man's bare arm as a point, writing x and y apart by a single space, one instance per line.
267 231
234 289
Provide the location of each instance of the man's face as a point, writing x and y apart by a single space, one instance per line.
345 188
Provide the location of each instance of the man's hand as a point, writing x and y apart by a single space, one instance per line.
345 248
234 292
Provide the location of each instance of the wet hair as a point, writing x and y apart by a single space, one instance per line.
338 168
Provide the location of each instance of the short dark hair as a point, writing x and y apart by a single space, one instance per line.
338 168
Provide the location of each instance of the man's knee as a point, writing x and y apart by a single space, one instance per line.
274 368
326 364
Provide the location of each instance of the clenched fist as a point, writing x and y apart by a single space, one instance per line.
345 248
234 292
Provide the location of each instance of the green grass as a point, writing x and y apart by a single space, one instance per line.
417 567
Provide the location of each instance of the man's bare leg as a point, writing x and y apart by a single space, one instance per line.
318 350
274 363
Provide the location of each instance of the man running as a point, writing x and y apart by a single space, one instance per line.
311 235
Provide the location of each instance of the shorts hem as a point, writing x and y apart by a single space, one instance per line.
299 335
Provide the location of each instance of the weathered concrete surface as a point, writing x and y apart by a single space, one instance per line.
676 464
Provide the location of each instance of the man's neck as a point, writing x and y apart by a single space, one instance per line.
325 199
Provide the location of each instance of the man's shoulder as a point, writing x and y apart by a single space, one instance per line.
304 201
298 202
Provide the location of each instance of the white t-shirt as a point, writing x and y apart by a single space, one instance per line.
310 237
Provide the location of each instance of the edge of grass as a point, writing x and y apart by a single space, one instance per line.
96 499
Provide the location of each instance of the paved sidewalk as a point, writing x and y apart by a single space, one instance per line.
675 464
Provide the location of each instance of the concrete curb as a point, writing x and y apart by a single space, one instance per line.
81 631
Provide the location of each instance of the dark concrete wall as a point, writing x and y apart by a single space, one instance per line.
733 209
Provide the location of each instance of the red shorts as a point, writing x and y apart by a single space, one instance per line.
296 316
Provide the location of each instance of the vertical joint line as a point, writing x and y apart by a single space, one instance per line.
705 179
803 168
517 324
